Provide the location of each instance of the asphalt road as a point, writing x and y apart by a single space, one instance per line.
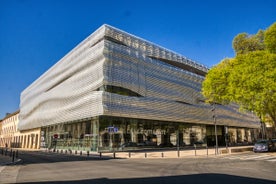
41 167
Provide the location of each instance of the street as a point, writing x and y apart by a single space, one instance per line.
44 167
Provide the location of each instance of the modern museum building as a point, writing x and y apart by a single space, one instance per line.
115 91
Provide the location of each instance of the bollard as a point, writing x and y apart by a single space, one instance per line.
129 154
195 149
80 152
100 154
16 154
87 153
162 155
146 155
13 154
207 150
76 152
114 154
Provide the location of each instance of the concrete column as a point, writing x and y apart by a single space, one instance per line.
29 142
36 141
24 141
32 141
21 142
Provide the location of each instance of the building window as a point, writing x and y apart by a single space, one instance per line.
118 90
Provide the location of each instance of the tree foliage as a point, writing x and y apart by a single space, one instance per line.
216 84
249 79
244 43
270 38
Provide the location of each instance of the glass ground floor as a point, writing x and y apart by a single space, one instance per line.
105 133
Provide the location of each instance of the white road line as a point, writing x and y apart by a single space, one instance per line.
255 157
232 158
266 158
240 157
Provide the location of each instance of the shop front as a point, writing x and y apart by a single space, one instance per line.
108 134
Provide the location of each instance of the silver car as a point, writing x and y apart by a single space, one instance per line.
261 146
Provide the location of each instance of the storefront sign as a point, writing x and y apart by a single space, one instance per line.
112 129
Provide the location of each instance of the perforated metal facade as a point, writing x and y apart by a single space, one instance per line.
167 85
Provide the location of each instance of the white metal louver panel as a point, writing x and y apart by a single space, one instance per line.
66 92
69 90
169 93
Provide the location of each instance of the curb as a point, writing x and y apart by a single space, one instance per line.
18 161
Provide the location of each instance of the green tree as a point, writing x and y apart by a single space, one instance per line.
216 84
270 38
244 43
249 79
253 82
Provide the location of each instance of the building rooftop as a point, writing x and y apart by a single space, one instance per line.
10 114
154 51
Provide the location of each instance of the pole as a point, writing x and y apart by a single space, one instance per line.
216 134
215 123
178 153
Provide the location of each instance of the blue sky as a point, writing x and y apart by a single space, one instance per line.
35 34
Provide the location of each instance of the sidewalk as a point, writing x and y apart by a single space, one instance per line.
203 152
166 153
8 159
183 153
4 160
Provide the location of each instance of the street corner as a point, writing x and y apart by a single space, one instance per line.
7 160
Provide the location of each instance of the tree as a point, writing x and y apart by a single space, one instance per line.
216 84
244 43
248 79
253 82
270 38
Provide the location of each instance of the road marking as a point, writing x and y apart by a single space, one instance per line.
253 157
2 168
265 157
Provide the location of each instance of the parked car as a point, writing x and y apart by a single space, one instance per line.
147 143
261 146
129 144
272 145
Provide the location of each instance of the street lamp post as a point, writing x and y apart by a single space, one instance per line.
215 123
177 138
